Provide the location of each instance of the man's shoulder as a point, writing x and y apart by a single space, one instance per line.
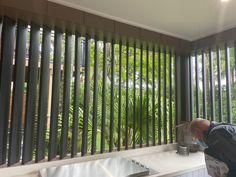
223 130
223 127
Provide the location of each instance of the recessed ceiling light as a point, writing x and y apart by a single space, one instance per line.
224 0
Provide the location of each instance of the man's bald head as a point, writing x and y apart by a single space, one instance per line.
198 126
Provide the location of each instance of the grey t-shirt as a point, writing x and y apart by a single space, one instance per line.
221 141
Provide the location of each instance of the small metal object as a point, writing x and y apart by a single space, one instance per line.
119 167
183 150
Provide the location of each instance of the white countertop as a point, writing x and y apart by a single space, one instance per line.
160 158
169 163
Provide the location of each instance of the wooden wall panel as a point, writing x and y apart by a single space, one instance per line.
52 14
219 38
127 30
97 22
34 6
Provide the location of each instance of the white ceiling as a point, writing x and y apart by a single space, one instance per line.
187 19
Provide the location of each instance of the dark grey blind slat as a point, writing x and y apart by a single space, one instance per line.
18 95
191 88
147 97
141 97
159 96
31 93
204 100
55 95
66 95
76 96
153 97
119 103
219 83
197 85
164 97
95 98
134 101
43 95
176 92
86 98
6 78
104 85
127 96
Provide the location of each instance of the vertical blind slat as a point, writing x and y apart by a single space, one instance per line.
204 100
134 104
141 96
55 95
159 96
18 95
43 95
66 95
76 88
197 85
86 97
5 87
153 98
104 84
219 82
191 88
147 97
127 96
31 93
120 94
176 91
164 97
95 97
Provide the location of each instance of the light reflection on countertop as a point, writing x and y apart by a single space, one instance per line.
170 163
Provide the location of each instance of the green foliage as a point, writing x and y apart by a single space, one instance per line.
145 116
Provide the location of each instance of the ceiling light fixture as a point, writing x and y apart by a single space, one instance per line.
224 0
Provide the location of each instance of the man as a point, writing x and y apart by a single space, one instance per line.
220 139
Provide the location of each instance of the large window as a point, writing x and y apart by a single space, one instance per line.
213 83
65 94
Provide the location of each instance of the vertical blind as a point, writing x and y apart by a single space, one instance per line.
213 81
66 94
